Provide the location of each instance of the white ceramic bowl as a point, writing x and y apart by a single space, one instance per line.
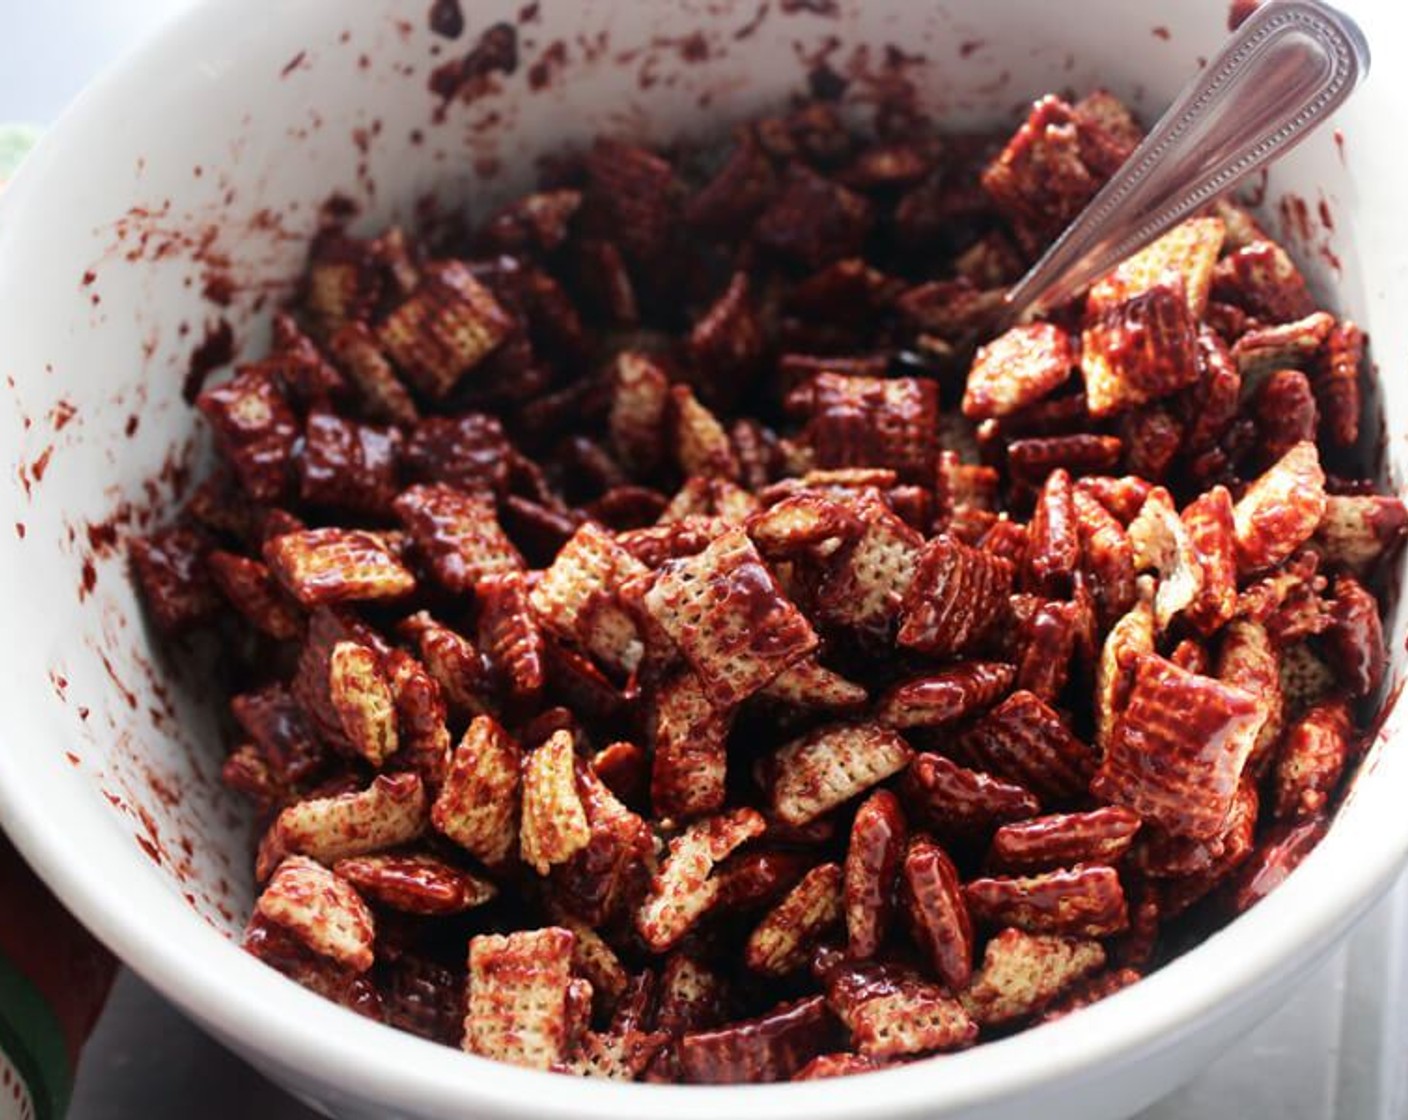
203 159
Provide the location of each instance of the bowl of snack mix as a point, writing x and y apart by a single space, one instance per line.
513 574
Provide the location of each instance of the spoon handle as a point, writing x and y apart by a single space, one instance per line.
1287 68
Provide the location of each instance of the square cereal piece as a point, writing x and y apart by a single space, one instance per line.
947 310
689 736
809 684
770 1047
1262 279
450 324
282 951
938 916
637 197
728 616
1106 557
1041 180
814 221
1211 532
640 399
390 812
457 534
685 886
1337 389
322 566
873 422
541 220
1077 902
344 280
1053 538
892 1011
361 695
348 466
383 397
576 598
782 942
1017 369
611 874
690 995
1064 840
420 714
1280 510
1141 349
1163 542
477 806
1178 749
1128 638
310 686
727 204
452 660
958 594
253 591
945 696
416 884
874 854
814 774
518 996
1261 350
1107 129
1357 531
1023 972
275 723
554 825
469 452
255 429
700 442
1189 249
917 1018
510 636
171 569
297 360
320 909
956 800
1025 740
799 523
727 344
866 580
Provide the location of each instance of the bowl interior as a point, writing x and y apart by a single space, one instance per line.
152 233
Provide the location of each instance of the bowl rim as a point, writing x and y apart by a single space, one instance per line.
279 1024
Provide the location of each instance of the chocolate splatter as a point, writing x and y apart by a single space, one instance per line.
474 75
1295 218
548 66
216 349
60 415
446 19
295 63
747 30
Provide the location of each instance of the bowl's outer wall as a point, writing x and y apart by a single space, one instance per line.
200 167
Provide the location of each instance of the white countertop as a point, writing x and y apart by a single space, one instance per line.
1337 1051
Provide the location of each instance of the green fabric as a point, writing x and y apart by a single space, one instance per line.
15 141
32 1039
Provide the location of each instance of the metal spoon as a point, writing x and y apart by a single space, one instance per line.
1282 74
